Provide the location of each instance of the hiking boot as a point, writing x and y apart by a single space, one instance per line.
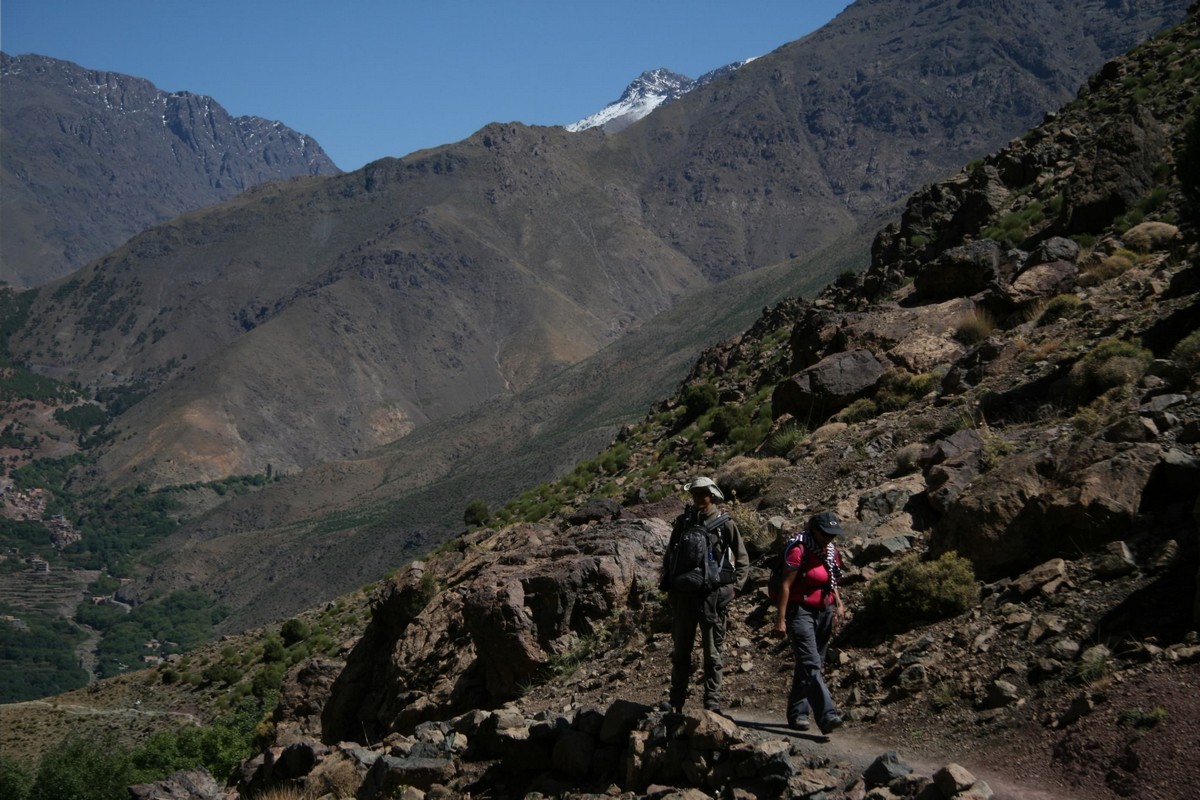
714 707
799 724
831 724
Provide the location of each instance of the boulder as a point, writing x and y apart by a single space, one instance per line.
828 386
190 784
960 271
1038 504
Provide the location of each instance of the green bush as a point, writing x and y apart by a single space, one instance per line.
785 440
1110 364
15 782
1187 352
861 409
898 389
294 630
698 398
914 592
1058 307
1187 162
727 418
476 514
82 768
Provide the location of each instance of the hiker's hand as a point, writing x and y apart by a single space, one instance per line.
780 629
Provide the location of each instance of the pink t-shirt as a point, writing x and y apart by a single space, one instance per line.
811 587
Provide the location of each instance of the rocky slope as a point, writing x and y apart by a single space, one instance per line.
1054 442
90 158
1074 497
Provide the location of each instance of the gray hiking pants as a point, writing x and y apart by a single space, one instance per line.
708 612
810 631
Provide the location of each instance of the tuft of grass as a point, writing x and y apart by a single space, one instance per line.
786 439
1111 364
1093 668
973 327
1058 307
1105 269
1140 718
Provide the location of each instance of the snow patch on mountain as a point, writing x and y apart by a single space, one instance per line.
647 92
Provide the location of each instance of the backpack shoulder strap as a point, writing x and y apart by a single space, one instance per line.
716 522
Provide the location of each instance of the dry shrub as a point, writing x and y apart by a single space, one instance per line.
973 327
1105 269
283 793
758 535
1150 236
338 778
1110 364
746 477
906 458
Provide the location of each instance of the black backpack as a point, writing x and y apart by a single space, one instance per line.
699 559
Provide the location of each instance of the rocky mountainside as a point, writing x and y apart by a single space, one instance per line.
990 393
321 318
1004 410
89 158
399 336
647 92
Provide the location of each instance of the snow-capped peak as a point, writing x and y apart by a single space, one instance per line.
647 92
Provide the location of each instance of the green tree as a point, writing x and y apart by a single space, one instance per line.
15 782
81 768
294 630
697 399
476 514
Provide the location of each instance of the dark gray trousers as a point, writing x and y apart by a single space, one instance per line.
810 631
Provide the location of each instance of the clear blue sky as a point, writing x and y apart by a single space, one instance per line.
371 78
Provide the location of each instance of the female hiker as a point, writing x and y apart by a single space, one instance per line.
807 603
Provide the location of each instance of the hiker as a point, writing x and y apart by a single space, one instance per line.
808 604
704 604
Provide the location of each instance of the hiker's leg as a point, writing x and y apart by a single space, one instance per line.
713 625
685 614
797 701
807 678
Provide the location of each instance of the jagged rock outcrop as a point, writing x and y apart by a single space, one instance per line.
499 613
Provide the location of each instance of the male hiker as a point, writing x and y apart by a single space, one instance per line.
704 566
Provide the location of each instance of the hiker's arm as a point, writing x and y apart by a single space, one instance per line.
785 590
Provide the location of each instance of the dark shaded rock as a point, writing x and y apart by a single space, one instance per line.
828 386
960 271
602 510
885 769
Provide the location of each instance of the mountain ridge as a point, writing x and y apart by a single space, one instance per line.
126 155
